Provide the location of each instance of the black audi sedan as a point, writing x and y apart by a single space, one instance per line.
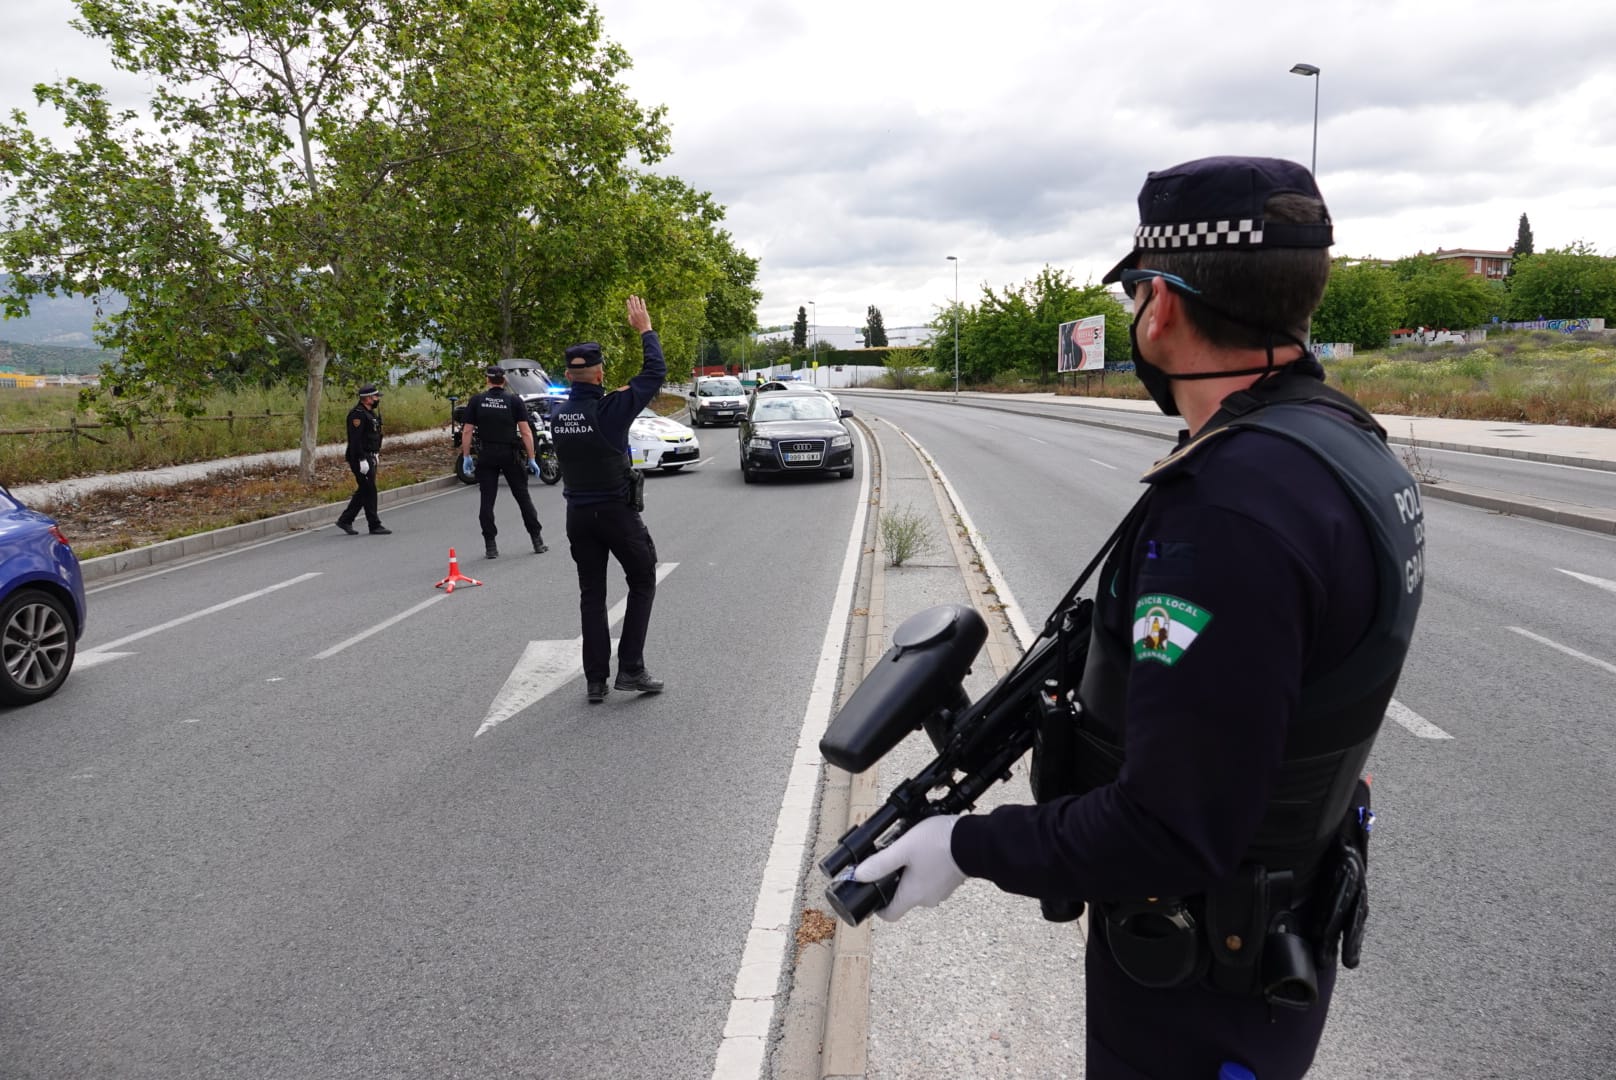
794 431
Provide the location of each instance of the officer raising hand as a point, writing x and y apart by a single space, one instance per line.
603 504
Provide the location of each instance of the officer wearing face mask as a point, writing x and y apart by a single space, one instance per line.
364 443
1251 623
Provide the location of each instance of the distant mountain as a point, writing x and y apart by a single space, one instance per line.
60 320
49 359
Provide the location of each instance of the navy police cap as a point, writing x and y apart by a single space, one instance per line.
1216 204
583 355
369 390
494 371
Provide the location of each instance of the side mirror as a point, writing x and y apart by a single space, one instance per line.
847 414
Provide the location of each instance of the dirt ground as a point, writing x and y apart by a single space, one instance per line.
100 523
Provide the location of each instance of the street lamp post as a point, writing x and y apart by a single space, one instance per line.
813 372
955 260
1306 70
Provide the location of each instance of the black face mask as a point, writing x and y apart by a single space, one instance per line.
1159 384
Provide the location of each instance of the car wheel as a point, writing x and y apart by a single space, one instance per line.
746 474
847 473
36 646
462 477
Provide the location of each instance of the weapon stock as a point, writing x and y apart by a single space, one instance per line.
918 683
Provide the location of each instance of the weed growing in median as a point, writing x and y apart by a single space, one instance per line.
907 534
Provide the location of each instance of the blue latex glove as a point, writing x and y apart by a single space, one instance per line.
533 466
465 465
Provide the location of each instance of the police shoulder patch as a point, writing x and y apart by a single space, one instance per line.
357 421
1164 627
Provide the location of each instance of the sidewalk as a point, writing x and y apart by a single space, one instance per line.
32 494
1556 444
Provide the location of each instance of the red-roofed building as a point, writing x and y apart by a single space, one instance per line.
1479 263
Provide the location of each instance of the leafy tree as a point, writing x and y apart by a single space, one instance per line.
1544 285
1016 330
732 300
1441 293
249 204
1523 238
875 331
799 329
1362 304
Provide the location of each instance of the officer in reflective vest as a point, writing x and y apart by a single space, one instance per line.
364 427
601 487
1250 627
499 420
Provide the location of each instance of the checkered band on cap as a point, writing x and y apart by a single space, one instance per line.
1246 232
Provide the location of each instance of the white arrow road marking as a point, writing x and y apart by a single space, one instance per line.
1598 582
1416 724
549 665
104 652
379 627
1568 650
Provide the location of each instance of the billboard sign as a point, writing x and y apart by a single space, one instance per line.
1082 345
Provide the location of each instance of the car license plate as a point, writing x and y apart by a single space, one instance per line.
802 457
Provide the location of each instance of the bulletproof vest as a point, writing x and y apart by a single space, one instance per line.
1340 710
496 414
588 462
370 428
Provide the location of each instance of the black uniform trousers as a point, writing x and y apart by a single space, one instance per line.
595 531
364 496
492 463
1136 1033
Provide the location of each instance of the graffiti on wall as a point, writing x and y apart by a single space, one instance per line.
1561 326
1332 350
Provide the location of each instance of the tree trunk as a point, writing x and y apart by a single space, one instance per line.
316 358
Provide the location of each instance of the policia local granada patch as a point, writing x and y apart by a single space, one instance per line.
1164 627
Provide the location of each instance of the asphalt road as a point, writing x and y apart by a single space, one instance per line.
1490 952
254 835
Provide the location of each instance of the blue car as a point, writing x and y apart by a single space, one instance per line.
42 606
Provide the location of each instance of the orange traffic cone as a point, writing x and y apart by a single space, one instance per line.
455 576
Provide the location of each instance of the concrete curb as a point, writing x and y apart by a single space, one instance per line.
141 558
1590 518
1505 452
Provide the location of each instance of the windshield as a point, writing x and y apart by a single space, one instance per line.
719 388
527 381
794 407
647 414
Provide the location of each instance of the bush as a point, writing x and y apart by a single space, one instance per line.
907 534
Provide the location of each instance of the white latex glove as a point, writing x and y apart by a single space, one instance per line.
364 466
926 857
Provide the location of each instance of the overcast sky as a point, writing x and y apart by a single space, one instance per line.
857 144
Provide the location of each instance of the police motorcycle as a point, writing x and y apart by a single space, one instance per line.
528 381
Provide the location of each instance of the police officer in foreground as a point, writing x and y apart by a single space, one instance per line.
1250 627
364 443
501 418
602 490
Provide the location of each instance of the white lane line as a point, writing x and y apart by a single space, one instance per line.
379 627
1035 439
1589 579
1568 650
1413 721
751 1009
170 624
1102 464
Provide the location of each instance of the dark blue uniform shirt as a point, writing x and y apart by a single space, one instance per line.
1258 537
618 409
